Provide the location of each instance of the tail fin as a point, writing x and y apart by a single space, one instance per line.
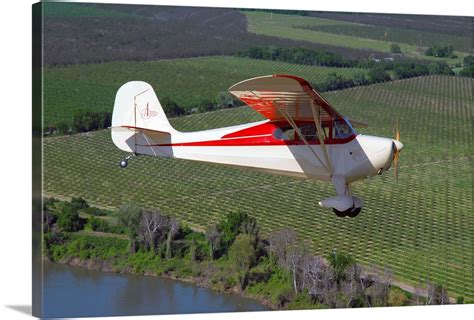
136 112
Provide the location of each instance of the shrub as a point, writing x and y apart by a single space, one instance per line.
302 301
468 61
230 227
84 121
339 261
63 127
396 297
96 211
395 48
337 82
68 218
79 203
441 51
171 108
97 225
467 72
378 74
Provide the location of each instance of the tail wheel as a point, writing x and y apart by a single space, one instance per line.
123 163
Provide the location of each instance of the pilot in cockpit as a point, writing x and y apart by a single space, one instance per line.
342 130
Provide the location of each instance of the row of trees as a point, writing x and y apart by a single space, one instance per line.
303 56
336 281
234 244
312 57
82 121
381 73
65 216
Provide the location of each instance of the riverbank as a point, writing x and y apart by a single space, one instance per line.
72 292
229 257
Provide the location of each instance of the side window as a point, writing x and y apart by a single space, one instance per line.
341 130
284 134
309 132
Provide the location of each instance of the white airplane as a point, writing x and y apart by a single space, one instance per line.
303 136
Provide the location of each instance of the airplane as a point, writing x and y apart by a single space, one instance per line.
302 136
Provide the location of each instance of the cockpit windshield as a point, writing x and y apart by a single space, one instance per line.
337 129
342 129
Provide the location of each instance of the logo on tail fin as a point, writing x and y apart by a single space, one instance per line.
147 113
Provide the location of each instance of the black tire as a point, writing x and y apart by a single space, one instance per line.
340 214
354 212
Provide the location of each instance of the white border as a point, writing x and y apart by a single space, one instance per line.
15 160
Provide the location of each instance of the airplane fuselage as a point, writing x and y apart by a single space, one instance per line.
254 146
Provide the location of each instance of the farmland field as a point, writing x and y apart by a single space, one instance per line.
187 81
288 26
421 227
398 35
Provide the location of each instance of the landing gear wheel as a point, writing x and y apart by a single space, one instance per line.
340 214
351 212
123 163
354 212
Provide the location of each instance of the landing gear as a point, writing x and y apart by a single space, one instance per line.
351 212
124 162
354 212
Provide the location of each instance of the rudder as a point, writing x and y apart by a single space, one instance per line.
136 108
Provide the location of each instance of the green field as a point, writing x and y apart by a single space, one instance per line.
288 26
76 10
397 35
422 227
187 81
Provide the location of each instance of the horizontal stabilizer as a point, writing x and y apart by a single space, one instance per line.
132 139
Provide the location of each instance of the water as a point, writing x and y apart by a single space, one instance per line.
79 292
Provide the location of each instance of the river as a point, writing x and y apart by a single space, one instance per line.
78 292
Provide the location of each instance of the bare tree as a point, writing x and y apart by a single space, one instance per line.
353 286
294 258
280 243
314 269
213 236
321 282
153 226
380 288
173 230
418 292
250 227
436 294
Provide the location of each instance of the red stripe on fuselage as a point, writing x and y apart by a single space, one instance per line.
247 142
258 135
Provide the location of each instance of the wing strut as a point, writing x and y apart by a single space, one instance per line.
317 122
297 130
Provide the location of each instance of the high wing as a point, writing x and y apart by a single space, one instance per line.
276 95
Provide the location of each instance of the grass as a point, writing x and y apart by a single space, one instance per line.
397 35
288 26
75 10
421 227
187 81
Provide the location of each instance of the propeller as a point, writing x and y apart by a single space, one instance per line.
397 146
